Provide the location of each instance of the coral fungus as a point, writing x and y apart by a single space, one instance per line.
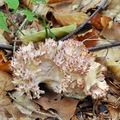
65 67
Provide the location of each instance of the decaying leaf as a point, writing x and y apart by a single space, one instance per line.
67 18
29 107
64 107
27 3
112 32
65 14
4 64
5 101
101 22
6 81
114 113
89 38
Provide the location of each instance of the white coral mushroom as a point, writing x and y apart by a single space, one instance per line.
65 67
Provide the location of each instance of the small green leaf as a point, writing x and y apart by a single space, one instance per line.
3 23
29 15
12 4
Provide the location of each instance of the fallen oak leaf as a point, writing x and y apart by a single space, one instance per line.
67 18
114 113
65 14
65 107
4 64
89 38
100 21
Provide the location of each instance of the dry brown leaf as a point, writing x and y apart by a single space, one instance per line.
6 81
29 107
112 32
25 118
74 118
64 107
5 85
100 22
114 113
90 37
4 100
105 21
67 18
13 111
65 13
27 3
4 64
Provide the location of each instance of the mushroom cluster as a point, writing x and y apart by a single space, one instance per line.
65 67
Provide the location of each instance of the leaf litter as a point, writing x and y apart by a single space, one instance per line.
44 78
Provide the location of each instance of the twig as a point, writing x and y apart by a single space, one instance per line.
92 49
81 27
6 47
105 46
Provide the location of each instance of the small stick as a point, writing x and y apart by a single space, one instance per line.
92 49
6 47
105 46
